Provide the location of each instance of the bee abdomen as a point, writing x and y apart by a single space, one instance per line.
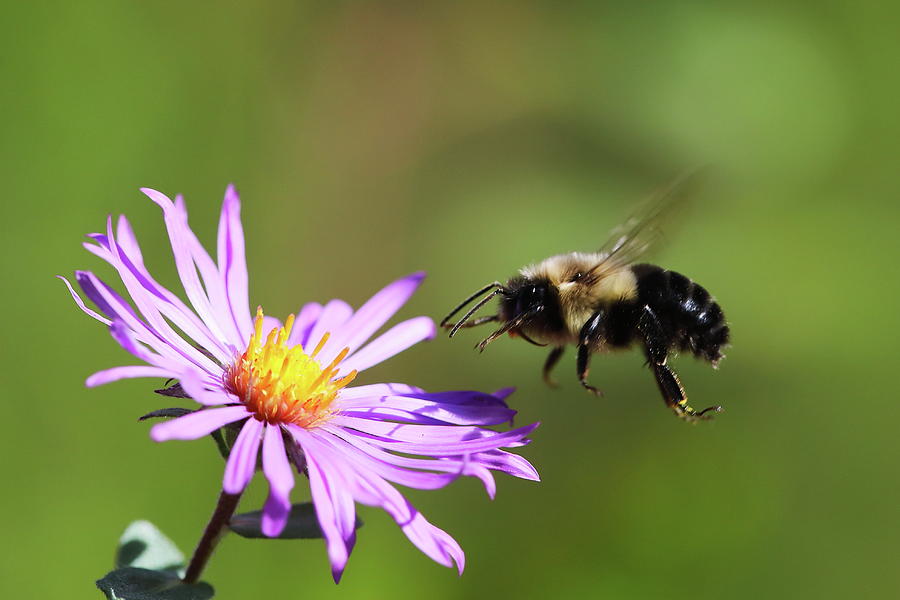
691 318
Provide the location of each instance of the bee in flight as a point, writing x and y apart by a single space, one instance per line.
603 301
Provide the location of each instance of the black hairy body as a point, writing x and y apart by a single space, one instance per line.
689 319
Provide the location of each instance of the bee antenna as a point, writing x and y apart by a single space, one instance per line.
446 319
474 309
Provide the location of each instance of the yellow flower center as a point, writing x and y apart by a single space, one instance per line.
285 385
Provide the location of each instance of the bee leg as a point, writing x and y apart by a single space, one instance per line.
656 346
584 356
474 322
675 397
552 359
590 333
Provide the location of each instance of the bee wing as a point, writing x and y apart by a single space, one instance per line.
643 231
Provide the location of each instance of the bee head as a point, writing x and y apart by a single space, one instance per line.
524 295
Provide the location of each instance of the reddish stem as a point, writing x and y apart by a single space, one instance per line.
211 535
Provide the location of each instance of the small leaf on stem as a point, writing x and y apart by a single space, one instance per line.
132 583
162 413
144 546
302 524
148 567
173 391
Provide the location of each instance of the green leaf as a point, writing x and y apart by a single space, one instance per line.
144 546
172 413
132 583
221 444
148 568
173 391
302 524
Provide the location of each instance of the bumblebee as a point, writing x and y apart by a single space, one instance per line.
605 301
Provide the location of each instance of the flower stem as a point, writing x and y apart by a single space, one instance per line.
211 535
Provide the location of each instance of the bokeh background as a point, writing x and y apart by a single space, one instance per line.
372 139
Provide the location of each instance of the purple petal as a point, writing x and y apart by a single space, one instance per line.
80 303
114 305
471 408
435 543
189 258
467 398
281 480
304 323
213 282
123 334
90 284
395 340
362 456
242 459
410 432
193 384
333 502
166 342
233 263
484 475
384 413
128 242
333 315
165 301
410 472
371 316
432 440
117 373
368 488
377 389
509 463
197 424
478 464
340 480
503 393
150 305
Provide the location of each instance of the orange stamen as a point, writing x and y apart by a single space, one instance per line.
282 384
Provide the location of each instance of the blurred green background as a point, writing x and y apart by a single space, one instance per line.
372 139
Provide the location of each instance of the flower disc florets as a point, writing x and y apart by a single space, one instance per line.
280 384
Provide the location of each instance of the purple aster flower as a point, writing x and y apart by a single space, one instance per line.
287 386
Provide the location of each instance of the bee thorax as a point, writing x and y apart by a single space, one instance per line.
580 301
